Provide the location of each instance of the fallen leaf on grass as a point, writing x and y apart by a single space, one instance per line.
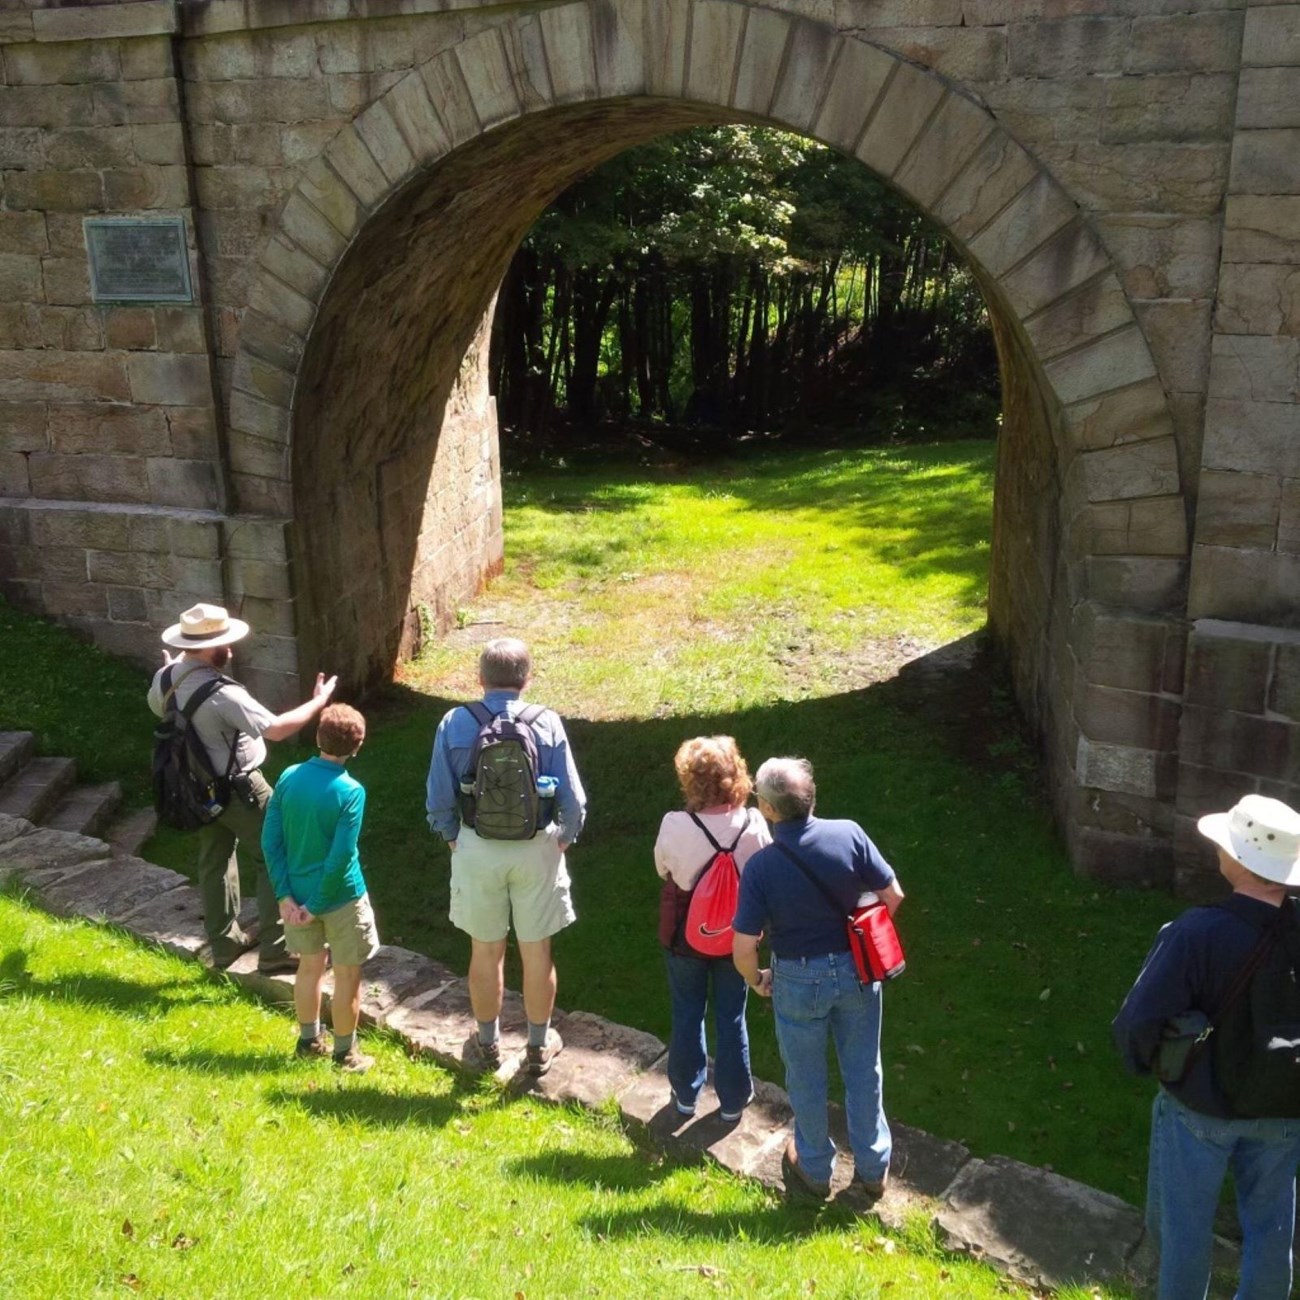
128 1228
130 1280
183 1241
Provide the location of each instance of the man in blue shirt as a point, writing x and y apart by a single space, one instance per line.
813 983
310 844
499 883
1195 1136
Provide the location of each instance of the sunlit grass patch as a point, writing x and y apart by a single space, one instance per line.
158 1138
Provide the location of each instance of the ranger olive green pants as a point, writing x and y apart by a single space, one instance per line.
239 826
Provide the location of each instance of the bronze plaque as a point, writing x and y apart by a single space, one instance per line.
138 259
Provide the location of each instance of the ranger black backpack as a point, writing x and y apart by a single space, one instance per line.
187 793
1256 1039
499 790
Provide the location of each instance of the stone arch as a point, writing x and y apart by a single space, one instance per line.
387 253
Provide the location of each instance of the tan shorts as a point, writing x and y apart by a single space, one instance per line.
499 883
349 930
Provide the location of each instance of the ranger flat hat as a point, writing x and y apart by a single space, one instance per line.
204 626
1262 834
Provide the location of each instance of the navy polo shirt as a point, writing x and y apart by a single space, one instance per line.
1191 967
778 900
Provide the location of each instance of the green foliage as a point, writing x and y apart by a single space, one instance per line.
733 275
160 1139
77 702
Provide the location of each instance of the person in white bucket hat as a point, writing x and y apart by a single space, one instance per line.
234 729
1215 1016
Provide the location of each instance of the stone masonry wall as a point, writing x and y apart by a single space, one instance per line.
1241 723
124 493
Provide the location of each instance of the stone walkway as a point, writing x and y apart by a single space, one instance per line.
1038 1227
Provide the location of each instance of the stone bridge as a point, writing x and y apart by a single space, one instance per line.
306 431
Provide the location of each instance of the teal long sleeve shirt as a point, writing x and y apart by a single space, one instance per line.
310 836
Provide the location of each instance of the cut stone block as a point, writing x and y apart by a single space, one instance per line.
398 975
86 809
1039 1227
173 920
132 831
274 988
598 1060
442 1029
116 890
16 748
37 787
47 850
923 1164
12 827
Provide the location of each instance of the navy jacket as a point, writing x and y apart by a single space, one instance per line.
1191 967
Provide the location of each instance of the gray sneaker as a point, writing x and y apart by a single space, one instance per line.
539 1058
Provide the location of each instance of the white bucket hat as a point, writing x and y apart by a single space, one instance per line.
1262 834
204 626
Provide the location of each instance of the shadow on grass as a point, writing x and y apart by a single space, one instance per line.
143 999
775 1221
229 1064
377 1107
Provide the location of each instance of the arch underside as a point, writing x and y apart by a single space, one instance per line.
361 346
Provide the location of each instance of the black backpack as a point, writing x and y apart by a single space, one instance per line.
187 793
1256 1039
499 789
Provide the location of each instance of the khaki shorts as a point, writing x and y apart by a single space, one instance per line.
499 883
349 930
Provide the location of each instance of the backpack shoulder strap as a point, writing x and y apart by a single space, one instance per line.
717 848
529 714
202 695
479 712
807 871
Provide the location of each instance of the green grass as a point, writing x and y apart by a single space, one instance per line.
731 584
157 1138
768 597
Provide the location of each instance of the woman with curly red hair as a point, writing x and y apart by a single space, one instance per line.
715 785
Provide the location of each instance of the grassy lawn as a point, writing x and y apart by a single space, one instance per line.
157 1139
771 597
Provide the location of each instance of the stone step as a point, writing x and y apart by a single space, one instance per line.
130 832
85 809
36 787
16 748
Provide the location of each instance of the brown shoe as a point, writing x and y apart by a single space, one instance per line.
539 1058
483 1057
798 1186
283 965
872 1188
312 1046
353 1062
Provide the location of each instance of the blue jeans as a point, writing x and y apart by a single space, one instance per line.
1190 1153
821 998
689 979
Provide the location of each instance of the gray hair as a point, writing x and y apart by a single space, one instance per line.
505 664
788 785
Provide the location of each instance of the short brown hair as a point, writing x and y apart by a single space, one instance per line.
340 731
505 664
711 771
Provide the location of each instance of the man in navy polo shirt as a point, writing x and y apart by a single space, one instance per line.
813 983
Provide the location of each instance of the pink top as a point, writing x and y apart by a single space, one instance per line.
682 852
